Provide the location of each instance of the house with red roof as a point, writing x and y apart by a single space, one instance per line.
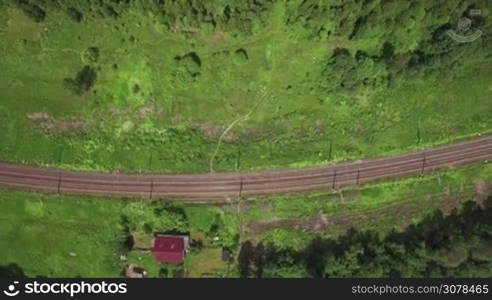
169 248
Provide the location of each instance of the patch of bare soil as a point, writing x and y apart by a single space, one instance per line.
210 130
176 120
319 127
54 125
216 37
316 223
260 226
213 132
242 207
449 204
175 28
400 215
334 43
148 110
342 196
266 207
256 133
482 191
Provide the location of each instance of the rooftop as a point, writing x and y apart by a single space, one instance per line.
169 248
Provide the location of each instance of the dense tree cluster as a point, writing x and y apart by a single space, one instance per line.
189 63
458 245
345 71
11 271
395 37
157 217
403 23
83 82
137 218
32 10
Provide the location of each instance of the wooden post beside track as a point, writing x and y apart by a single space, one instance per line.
334 178
151 189
240 187
423 165
59 181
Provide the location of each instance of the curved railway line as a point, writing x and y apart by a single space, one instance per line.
221 187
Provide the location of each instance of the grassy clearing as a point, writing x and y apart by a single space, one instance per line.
41 233
382 207
207 263
148 112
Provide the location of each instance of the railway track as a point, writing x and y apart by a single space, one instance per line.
222 187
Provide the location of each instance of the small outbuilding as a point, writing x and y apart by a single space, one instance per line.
226 255
169 248
132 271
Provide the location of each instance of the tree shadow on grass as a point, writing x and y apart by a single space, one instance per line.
11 271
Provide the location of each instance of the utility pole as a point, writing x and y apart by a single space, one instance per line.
151 188
240 187
59 182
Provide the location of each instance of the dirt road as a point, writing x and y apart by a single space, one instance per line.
222 187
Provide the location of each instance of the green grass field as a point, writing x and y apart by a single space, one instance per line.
40 233
163 100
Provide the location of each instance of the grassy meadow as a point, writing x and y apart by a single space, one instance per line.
53 236
183 100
